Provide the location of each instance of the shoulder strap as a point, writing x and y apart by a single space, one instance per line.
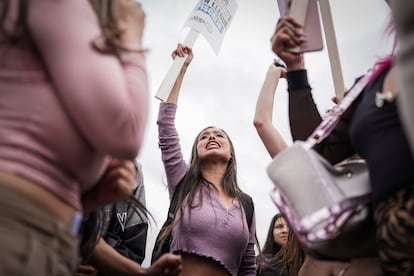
163 245
328 124
174 200
248 206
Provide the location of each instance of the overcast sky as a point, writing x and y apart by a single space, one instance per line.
222 90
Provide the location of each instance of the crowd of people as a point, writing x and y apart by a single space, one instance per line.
72 193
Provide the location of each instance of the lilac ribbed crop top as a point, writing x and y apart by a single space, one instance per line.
212 230
64 107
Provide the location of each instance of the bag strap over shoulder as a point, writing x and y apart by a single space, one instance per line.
172 209
328 124
163 246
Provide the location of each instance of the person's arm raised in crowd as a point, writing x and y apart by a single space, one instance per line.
288 34
180 51
174 164
269 135
304 115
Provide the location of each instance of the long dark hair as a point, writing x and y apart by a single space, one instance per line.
267 255
109 42
291 256
193 179
270 247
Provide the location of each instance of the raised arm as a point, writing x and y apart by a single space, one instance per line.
180 51
169 142
304 116
269 135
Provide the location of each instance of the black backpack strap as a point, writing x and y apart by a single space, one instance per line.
164 247
174 203
248 206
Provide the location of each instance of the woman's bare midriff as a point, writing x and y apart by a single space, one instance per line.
39 196
194 265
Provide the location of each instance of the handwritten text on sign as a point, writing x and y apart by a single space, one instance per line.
212 18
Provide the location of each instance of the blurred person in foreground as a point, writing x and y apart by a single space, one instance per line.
73 96
403 14
371 128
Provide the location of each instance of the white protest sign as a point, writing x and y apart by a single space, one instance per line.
175 68
212 19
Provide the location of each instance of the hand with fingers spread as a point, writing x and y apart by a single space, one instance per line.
288 34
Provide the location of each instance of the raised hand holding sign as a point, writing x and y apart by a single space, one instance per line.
212 19
306 13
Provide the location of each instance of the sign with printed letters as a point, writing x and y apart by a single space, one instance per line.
212 19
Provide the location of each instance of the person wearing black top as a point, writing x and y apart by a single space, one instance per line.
277 236
371 128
